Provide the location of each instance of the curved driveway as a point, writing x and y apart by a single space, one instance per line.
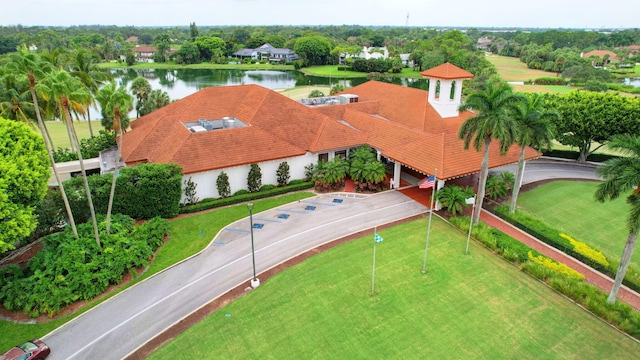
125 322
118 326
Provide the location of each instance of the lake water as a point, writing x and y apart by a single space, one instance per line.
632 81
179 83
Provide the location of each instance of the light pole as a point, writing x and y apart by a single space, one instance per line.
255 282
470 201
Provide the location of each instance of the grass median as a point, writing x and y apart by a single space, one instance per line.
466 306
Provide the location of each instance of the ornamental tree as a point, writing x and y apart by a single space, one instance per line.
24 172
587 118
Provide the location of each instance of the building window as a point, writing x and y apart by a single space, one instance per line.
324 157
341 154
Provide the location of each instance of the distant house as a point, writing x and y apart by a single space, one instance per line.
144 53
367 53
485 44
132 40
267 52
601 58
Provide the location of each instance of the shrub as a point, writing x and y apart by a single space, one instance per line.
240 192
70 269
190 191
550 81
142 192
586 250
244 195
254 178
310 171
283 174
89 148
223 186
267 187
555 266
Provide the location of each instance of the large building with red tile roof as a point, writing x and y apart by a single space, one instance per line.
229 128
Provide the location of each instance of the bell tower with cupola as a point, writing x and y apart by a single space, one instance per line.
445 88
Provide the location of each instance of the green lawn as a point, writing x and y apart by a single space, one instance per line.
570 207
186 239
466 306
332 70
58 131
512 69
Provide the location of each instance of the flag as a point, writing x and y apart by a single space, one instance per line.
470 200
377 238
427 182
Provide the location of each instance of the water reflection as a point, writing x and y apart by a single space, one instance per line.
179 83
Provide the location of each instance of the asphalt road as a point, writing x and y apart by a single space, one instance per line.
120 325
125 322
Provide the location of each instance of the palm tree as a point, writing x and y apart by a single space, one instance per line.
493 121
15 100
621 175
155 100
83 65
534 129
25 63
113 100
140 88
453 198
67 92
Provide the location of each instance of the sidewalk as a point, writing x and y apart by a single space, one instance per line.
592 276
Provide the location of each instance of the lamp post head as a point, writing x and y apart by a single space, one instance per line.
250 206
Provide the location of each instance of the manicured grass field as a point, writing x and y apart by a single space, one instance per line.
300 92
58 131
511 69
466 306
186 239
332 70
570 207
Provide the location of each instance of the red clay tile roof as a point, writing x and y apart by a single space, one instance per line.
600 54
396 120
447 71
277 128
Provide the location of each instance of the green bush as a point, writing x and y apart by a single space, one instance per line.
267 187
89 148
240 192
550 81
243 195
142 192
69 269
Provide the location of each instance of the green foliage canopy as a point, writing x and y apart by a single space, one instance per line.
24 172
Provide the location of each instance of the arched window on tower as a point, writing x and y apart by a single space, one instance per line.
438 89
452 94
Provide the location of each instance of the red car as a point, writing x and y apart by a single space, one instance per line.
32 350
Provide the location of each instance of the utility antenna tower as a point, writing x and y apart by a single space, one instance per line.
407 22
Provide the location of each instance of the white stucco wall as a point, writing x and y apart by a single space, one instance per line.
206 181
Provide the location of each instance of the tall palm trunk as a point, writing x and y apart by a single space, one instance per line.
624 264
49 145
65 106
484 171
89 121
519 175
116 123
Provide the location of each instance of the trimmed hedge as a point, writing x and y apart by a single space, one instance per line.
573 155
245 196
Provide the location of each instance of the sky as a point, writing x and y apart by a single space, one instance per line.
590 14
